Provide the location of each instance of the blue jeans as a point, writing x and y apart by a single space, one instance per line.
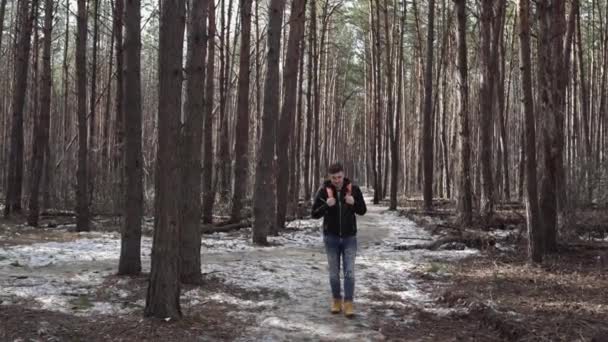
346 249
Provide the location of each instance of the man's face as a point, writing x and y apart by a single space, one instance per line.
337 179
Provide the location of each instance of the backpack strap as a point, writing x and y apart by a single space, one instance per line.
330 192
349 189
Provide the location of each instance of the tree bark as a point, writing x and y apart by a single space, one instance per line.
65 176
427 125
318 48
82 206
390 110
162 299
258 78
4 118
130 251
25 23
241 144
585 104
376 63
92 149
286 121
41 129
486 110
296 160
119 103
533 219
264 204
309 104
208 191
558 31
549 106
465 202
395 160
190 248
224 162
105 157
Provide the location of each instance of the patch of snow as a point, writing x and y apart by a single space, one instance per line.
314 329
500 233
121 293
92 247
62 293
272 272
596 238
445 312
504 248
304 224
67 226
222 242
53 302
106 308
227 298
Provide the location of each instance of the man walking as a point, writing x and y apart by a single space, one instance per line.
337 201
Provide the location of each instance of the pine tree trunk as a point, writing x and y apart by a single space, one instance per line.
503 104
130 252
396 136
497 89
65 176
309 105
92 147
377 64
316 175
47 174
25 22
241 144
41 129
264 204
258 77
486 111
286 123
602 107
82 206
549 106
4 120
464 166
105 157
297 155
535 229
190 248
208 191
427 125
521 165
558 31
119 103
584 107
224 162
162 299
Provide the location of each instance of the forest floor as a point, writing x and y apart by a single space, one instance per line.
59 285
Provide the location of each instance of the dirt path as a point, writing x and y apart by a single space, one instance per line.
305 315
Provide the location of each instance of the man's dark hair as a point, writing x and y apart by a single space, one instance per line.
335 168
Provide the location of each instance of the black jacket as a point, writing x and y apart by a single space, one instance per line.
339 219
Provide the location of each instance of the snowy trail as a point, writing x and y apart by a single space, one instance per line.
305 314
53 275
302 274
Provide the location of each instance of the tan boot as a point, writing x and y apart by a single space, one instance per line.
336 306
349 311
